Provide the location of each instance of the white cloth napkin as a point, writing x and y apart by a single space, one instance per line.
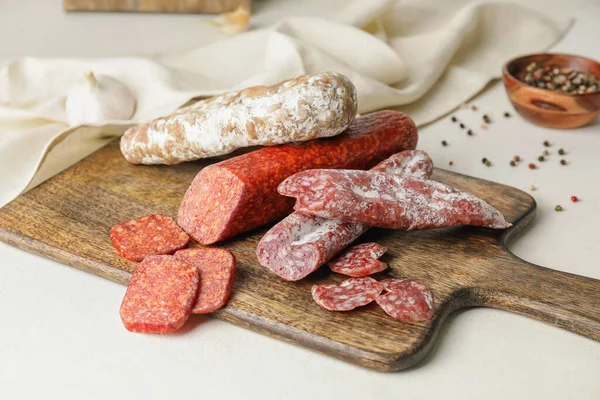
424 57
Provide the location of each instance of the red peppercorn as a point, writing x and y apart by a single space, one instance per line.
574 199
532 166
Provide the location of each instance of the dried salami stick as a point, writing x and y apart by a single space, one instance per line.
301 243
387 200
240 194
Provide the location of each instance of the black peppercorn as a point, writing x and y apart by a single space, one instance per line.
444 143
561 152
454 119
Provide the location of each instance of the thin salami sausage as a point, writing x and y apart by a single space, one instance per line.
160 295
407 300
217 268
387 201
301 243
240 194
151 235
352 293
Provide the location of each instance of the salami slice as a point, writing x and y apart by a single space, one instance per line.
387 200
150 235
160 295
301 243
360 260
407 300
352 293
240 194
217 268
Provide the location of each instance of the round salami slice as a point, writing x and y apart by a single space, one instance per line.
360 260
352 293
150 235
217 268
407 300
160 295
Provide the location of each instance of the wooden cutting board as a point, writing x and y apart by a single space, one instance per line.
68 219
157 6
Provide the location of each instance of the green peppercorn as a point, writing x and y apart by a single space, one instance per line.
558 208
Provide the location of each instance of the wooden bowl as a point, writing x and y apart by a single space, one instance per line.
548 108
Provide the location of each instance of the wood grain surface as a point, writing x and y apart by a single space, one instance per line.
157 6
68 219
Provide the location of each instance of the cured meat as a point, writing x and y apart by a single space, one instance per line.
150 235
160 295
217 268
303 108
352 293
387 200
360 260
240 194
409 162
407 300
301 243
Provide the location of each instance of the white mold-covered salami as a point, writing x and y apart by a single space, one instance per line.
300 109
301 243
387 200
352 293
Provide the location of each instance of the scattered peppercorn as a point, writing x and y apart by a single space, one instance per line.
546 153
532 166
574 199
462 126
484 160
470 132
564 80
517 158
486 119
454 119
474 107
444 143
541 158
532 188
488 163
506 115
451 163
512 163
563 162
561 152
546 143
558 208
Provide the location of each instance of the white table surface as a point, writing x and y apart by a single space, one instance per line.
61 336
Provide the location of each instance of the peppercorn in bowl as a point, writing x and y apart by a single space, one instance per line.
559 91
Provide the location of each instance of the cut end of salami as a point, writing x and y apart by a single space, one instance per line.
361 260
150 235
352 293
217 269
407 300
204 219
160 295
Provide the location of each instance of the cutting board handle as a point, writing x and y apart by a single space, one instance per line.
562 299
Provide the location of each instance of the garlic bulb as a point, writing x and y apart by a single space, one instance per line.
98 99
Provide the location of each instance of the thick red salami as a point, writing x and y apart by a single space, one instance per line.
160 295
217 268
387 200
240 194
360 260
301 243
352 293
407 300
151 235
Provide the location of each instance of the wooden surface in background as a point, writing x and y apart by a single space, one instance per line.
157 6
68 219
